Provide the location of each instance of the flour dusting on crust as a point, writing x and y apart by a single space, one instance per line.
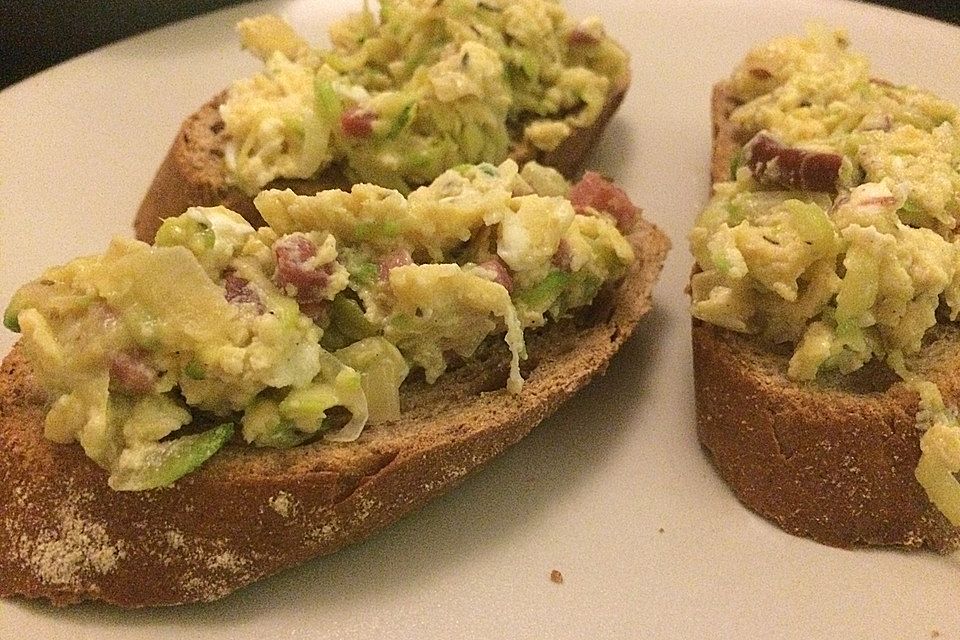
215 570
75 548
325 532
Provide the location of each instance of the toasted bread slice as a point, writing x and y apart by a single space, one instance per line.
193 171
832 460
248 513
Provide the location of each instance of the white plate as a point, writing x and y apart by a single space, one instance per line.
614 491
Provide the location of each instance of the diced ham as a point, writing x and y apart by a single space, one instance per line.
501 273
597 192
772 162
316 310
357 122
293 253
239 291
561 259
580 36
396 258
131 373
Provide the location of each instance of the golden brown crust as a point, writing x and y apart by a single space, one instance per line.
833 461
66 537
832 464
192 173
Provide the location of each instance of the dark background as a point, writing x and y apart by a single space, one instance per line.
35 34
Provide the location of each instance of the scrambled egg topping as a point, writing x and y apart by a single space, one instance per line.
422 87
306 328
837 231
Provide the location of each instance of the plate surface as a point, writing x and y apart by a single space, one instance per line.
613 491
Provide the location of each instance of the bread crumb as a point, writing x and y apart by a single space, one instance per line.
283 503
660 530
556 576
934 634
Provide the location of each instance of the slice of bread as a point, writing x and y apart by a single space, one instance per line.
193 171
832 460
248 513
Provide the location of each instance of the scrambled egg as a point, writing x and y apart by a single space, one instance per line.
423 87
848 273
307 327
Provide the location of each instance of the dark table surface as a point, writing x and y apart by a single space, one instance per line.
35 34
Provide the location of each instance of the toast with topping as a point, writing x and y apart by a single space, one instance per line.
819 385
384 105
100 482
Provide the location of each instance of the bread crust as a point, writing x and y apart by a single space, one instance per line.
248 513
831 460
192 173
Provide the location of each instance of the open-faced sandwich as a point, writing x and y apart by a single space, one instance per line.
181 419
825 294
397 98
